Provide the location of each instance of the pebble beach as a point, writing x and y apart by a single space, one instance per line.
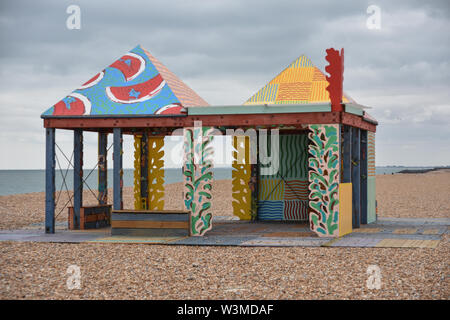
138 271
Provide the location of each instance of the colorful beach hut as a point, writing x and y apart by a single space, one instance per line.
303 150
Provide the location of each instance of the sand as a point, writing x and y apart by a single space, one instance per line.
424 195
134 271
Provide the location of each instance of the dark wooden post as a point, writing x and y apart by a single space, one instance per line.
254 177
347 155
356 176
117 160
144 171
102 168
363 162
77 176
50 180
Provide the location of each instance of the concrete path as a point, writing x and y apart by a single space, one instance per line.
386 232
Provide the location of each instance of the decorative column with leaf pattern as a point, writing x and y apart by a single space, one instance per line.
324 179
198 176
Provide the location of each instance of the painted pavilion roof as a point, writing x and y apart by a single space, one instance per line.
135 84
301 82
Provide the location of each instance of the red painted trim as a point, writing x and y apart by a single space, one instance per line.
357 121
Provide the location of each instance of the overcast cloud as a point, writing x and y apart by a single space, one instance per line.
226 51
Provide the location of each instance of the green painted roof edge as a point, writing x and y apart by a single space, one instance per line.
259 109
354 109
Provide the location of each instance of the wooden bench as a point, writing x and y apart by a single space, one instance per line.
92 217
150 223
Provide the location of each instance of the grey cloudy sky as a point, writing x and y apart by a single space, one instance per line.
226 51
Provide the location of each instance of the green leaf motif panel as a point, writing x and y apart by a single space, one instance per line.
198 176
324 179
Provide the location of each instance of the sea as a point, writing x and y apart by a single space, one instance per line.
27 181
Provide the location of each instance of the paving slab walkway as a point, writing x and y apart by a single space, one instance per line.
386 232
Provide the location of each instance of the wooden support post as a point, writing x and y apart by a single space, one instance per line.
347 155
77 176
144 171
102 168
254 180
356 176
118 172
364 174
50 180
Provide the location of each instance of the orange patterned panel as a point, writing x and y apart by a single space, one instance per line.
291 75
294 91
319 92
318 75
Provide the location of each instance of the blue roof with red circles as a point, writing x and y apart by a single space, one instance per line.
135 84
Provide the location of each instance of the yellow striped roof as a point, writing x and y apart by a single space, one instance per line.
300 82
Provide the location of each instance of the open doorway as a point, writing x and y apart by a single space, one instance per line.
283 195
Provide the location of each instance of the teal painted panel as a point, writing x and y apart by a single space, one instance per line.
371 198
294 156
354 109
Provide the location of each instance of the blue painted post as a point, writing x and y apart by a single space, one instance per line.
117 160
356 176
50 180
102 168
364 174
347 155
77 176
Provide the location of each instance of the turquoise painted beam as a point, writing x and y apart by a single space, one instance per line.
355 109
259 109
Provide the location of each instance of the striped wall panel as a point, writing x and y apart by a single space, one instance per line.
371 154
270 210
296 189
294 156
296 210
270 189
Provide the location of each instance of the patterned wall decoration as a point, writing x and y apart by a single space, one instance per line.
324 179
371 191
241 174
300 82
198 175
153 198
130 85
284 195
156 173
